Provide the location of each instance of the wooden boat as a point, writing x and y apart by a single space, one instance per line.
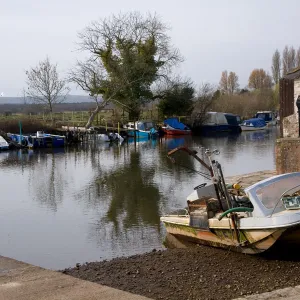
173 127
246 220
253 124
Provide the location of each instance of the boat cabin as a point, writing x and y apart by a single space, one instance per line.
267 116
272 196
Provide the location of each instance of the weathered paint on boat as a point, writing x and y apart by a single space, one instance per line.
251 241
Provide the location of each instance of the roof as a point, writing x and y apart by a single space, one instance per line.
293 74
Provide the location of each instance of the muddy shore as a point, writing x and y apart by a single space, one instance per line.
199 272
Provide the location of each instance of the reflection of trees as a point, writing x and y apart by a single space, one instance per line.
132 192
46 181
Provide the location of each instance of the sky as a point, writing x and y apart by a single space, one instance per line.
212 35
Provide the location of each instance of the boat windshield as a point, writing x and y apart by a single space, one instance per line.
270 194
148 125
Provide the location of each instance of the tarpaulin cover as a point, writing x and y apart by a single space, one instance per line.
256 122
173 122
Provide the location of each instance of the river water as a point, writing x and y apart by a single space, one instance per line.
96 201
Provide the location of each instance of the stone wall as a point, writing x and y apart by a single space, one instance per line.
287 152
290 123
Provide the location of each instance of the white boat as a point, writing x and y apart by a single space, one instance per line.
253 124
268 116
111 137
246 220
3 144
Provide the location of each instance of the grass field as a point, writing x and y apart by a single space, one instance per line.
79 118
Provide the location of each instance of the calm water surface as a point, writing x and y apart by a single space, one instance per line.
96 201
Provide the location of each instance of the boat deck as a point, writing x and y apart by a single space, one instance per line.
251 178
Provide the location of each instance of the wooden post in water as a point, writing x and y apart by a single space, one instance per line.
118 128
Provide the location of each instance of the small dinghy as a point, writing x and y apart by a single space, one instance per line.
246 220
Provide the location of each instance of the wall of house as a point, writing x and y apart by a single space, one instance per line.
291 123
287 153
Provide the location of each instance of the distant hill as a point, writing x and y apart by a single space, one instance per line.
69 99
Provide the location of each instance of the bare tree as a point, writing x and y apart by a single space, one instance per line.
285 60
203 102
44 85
233 82
288 59
276 64
224 82
292 58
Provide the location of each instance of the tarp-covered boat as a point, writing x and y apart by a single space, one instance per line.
246 220
253 124
173 127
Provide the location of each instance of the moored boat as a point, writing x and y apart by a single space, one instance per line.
142 129
216 122
3 143
173 127
268 116
246 220
253 124
39 140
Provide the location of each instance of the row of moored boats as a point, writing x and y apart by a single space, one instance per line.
210 122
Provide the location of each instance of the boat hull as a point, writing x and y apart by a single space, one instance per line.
252 128
176 132
251 241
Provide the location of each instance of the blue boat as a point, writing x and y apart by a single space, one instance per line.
40 140
143 129
253 124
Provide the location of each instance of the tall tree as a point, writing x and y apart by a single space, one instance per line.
276 65
224 82
233 82
260 79
288 59
292 58
133 52
44 85
285 60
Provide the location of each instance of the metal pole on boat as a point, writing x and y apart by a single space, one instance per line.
298 106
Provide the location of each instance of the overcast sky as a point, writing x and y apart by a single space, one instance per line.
212 35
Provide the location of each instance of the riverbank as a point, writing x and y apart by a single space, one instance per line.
196 273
